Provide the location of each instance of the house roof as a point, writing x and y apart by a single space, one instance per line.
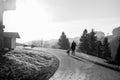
11 34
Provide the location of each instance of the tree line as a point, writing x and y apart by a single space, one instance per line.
88 44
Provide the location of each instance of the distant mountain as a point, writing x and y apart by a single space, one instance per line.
51 42
76 39
54 41
100 35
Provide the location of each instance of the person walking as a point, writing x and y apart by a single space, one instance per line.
73 47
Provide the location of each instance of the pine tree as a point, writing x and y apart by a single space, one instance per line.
63 42
106 49
99 49
92 41
117 59
83 45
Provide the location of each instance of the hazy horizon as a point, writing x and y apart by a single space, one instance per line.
47 19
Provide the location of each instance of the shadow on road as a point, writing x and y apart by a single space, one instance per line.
77 58
84 60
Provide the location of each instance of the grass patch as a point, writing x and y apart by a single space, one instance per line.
28 65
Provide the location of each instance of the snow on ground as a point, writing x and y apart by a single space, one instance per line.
79 69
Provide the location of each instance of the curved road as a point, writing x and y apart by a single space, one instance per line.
73 69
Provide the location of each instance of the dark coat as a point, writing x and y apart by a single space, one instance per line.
73 46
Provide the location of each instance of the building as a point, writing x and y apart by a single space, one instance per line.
10 39
1 24
4 6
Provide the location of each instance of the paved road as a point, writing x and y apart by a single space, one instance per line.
73 69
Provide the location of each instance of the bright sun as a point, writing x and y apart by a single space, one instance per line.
29 19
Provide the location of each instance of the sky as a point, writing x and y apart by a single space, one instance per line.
47 19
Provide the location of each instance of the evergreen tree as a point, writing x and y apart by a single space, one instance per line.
83 45
63 42
117 59
99 49
92 41
106 49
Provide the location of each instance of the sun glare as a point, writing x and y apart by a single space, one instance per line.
29 17
41 19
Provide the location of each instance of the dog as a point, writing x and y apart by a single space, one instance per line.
68 52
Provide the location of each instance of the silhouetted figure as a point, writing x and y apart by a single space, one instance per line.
73 46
